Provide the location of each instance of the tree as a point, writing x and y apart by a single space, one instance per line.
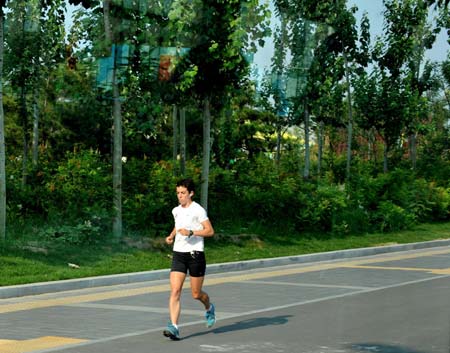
215 63
35 46
21 47
2 133
345 42
445 68
278 80
112 39
399 57
48 54
302 44
334 24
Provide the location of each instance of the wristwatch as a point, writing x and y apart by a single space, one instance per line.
191 233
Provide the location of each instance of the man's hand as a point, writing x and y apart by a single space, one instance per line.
185 232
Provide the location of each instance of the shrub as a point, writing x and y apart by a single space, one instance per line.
390 217
85 233
147 203
265 194
79 189
81 186
322 207
429 202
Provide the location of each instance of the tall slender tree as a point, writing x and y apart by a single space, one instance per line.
399 56
111 41
216 62
21 40
279 78
49 52
2 133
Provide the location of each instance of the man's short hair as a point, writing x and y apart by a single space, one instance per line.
188 183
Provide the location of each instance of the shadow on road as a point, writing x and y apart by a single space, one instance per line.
245 325
381 348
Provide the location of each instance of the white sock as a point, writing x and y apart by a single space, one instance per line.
176 326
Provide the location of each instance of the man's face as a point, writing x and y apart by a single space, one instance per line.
183 195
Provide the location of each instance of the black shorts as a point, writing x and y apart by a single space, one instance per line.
194 262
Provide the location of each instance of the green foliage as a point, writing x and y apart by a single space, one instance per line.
384 202
322 208
434 163
78 187
149 197
398 199
86 233
429 202
391 217
74 196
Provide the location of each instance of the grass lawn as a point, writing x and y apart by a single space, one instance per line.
22 263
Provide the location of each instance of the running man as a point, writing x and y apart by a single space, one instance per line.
192 225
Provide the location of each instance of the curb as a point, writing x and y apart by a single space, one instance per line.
126 278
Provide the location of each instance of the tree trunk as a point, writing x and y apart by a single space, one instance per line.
278 150
183 141
117 158
227 135
413 150
320 151
25 140
175 139
447 96
370 144
107 21
307 150
117 128
36 111
2 139
385 158
350 120
24 114
36 127
206 152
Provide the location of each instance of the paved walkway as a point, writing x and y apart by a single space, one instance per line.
384 303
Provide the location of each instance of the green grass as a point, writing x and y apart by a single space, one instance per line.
20 263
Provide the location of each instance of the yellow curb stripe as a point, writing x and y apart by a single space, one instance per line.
37 344
8 308
403 257
442 271
2 342
417 269
44 303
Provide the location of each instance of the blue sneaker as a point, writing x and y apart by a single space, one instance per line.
211 316
172 332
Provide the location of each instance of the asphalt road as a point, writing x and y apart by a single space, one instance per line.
388 303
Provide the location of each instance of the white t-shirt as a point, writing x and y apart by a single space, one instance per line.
189 218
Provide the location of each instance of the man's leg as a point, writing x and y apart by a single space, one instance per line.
198 293
176 285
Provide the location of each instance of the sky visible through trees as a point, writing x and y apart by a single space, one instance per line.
374 9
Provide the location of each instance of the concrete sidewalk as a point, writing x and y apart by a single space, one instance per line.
101 281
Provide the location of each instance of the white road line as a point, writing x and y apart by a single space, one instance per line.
306 285
147 309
